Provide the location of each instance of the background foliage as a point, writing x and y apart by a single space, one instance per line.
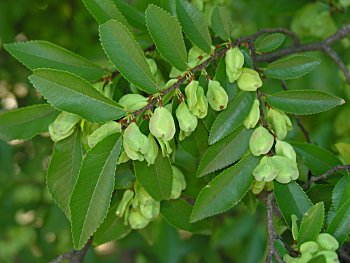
34 229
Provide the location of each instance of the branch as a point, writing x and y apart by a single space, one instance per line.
299 123
272 234
74 256
330 172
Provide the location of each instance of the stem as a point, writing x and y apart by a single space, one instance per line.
74 256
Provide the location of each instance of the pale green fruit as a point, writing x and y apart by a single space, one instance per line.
234 61
305 258
152 65
136 219
287 169
135 143
152 153
200 109
179 183
162 125
124 203
108 91
102 132
249 80
257 187
191 93
169 83
165 147
327 242
310 247
217 96
63 126
261 141
265 170
149 207
99 87
288 259
253 116
285 149
331 256
133 102
279 122
123 158
196 56
187 121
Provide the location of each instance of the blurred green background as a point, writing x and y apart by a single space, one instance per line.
33 229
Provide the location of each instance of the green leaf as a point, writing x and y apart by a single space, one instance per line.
134 16
157 179
232 117
311 224
221 22
104 10
193 24
177 213
68 92
112 228
43 54
269 42
339 226
304 101
292 67
93 190
225 190
125 53
291 199
64 169
225 152
26 122
340 195
166 33
317 159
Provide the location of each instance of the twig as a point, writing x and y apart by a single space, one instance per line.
322 46
299 123
272 234
74 256
330 172
284 31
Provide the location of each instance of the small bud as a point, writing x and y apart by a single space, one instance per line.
108 91
249 80
310 247
277 122
200 109
287 169
63 126
234 61
136 144
258 186
265 171
288 121
152 153
152 65
285 149
102 132
124 203
327 242
136 219
253 116
217 96
162 125
261 141
187 121
179 183
133 102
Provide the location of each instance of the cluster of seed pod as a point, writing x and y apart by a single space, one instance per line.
325 245
138 208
